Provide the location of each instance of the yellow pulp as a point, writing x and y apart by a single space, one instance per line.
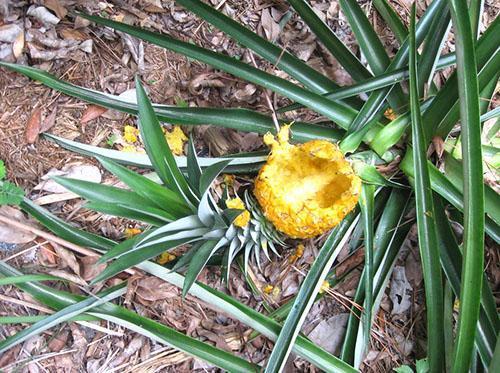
243 218
306 189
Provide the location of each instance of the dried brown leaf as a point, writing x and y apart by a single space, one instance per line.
33 126
49 121
67 257
10 234
89 267
56 7
18 45
92 112
58 342
150 289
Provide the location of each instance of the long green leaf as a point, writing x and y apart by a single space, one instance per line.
364 121
337 112
158 150
429 251
307 294
472 272
366 205
486 49
488 325
389 236
160 196
27 278
371 84
392 19
242 163
444 187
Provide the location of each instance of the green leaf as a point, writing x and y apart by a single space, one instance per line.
389 236
447 97
198 262
307 294
444 187
473 267
142 325
239 119
158 150
214 298
3 172
488 325
133 257
10 194
116 201
434 42
162 197
428 243
392 19
368 85
242 162
193 166
210 174
365 119
26 278
366 206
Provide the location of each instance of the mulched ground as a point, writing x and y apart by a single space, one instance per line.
110 66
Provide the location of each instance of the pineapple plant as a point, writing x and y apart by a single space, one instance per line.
315 178
184 210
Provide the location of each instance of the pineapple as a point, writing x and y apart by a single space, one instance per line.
320 186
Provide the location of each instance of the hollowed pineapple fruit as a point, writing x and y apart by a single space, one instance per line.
306 189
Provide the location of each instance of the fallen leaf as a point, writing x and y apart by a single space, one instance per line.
89 268
92 112
49 121
56 7
150 289
13 235
67 276
438 143
67 258
42 14
18 45
204 80
400 291
33 126
75 171
330 333
270 26
132 347
58 342
10 32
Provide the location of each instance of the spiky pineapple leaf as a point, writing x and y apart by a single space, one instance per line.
158 150
162 197
193 167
